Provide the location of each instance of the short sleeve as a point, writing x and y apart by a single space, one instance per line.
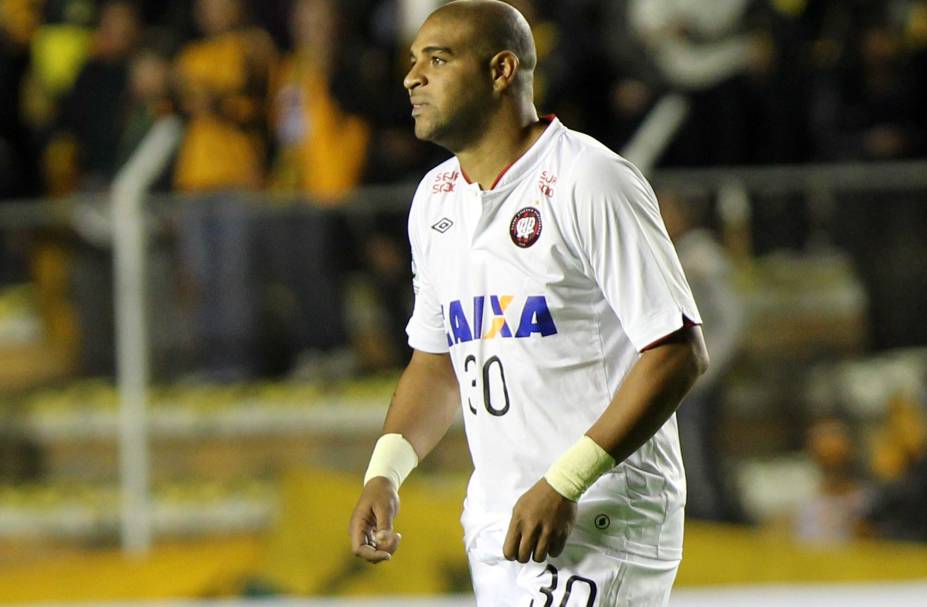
625 248
426 326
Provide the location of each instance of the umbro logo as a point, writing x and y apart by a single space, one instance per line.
444 224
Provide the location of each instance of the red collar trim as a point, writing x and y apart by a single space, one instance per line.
548 119
503 172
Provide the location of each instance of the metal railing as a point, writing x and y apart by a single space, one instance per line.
129 252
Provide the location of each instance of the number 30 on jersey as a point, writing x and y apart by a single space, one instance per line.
486 386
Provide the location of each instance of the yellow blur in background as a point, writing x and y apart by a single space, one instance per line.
307 553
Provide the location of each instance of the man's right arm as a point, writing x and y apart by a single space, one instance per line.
426 400
422 409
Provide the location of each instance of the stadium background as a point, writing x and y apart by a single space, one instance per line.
204 279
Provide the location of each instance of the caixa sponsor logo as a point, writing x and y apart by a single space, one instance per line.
487 317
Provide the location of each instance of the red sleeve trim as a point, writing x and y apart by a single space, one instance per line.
686 323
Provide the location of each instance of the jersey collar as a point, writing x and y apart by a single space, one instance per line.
524 164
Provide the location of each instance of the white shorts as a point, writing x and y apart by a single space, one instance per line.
582 576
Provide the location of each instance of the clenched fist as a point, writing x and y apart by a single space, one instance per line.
371 526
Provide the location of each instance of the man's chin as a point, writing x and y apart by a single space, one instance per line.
437 134
423 131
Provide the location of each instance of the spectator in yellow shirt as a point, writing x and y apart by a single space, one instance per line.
222 82
322 147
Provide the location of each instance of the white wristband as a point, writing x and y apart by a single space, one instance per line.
578 468
393 457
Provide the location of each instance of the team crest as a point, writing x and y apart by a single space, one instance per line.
525 228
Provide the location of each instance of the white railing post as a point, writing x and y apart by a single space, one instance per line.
129 255
656 131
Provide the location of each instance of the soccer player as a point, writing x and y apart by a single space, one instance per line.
550 307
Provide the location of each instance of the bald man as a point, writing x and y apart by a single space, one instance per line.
551 309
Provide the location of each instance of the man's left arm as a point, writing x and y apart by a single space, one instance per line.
652 390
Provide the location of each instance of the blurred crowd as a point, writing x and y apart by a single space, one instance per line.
303 98
305 95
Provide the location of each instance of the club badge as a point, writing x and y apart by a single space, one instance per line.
525 228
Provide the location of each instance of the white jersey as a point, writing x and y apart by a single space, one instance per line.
544 290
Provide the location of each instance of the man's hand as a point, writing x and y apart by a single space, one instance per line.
542 519
371 527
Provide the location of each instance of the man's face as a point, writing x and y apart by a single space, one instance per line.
448 84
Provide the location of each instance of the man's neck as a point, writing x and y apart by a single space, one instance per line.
501 146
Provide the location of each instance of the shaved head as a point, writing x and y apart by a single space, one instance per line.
471 70
494 27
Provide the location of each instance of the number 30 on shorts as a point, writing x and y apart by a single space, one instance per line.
490 381
572 584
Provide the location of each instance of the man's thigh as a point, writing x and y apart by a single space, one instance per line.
580 577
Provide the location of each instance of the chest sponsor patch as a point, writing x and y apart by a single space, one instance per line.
491 316
525 228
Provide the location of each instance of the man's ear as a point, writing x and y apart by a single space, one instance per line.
503 69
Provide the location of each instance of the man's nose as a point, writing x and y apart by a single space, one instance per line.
413 78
